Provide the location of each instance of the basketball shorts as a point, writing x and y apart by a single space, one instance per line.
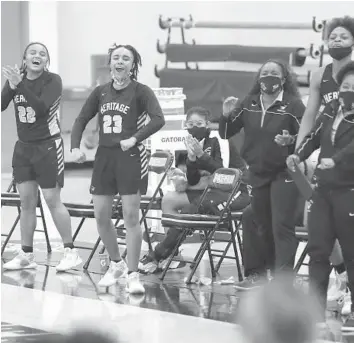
120 172
41 162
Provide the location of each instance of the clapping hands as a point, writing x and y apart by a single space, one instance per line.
193 147
12 74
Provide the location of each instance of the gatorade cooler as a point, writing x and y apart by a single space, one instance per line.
170 137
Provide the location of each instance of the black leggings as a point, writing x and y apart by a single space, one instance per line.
274 206
331 217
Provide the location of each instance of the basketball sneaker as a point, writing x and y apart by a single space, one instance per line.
174 264
70 260
115 271
21 261
348 326
336 292
346 302
252 281
148 264
134 286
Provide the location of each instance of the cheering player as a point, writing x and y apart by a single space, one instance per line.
38 158
121 163
324 90
331 215
324 86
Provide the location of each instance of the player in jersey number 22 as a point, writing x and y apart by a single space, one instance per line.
38 158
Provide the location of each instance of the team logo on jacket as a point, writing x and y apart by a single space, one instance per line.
282 108
208 151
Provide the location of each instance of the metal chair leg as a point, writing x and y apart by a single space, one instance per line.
86 265
10 234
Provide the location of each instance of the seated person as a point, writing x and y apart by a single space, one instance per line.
194 167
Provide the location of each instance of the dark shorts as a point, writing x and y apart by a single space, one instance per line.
41 162
120 172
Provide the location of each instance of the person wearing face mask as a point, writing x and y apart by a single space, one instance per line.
120 166
323 91
194 167
331 215
324 86
38 159
270 116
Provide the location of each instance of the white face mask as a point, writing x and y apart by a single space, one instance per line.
120 81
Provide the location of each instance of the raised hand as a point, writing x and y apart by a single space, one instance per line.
229 105
13 74
196 147
190 151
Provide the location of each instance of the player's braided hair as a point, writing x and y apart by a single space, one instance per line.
136 58
23 65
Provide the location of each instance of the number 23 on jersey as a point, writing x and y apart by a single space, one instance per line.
26 114
112 124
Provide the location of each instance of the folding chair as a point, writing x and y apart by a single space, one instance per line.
11 198
160 162
236 228
224 179
302 236
86 211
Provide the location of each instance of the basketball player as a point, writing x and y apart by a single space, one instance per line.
120 166
331 215
323 91
323 86
38 158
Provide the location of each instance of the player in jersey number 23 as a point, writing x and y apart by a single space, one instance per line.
120 166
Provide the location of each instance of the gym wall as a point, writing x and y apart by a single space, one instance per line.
87 28
74 31
14 37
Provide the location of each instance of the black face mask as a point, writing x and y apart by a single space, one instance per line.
199 132
339 53
346 100
270 84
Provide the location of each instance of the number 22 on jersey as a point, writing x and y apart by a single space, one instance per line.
26 114
112 124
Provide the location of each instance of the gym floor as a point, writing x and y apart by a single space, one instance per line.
45 303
